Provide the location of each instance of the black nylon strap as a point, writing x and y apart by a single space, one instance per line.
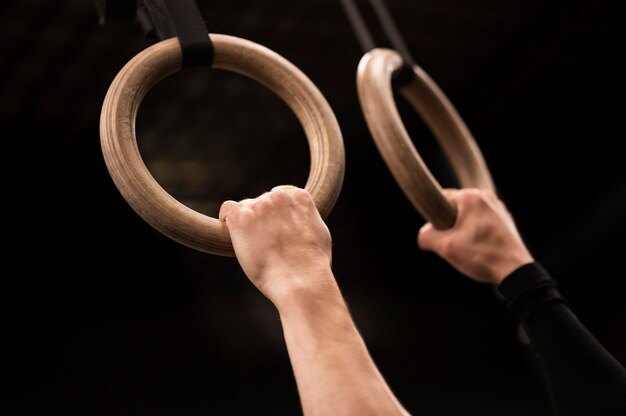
359 27
182 19
405 74
192 33
392 32
154 19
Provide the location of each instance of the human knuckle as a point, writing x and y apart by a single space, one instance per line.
489 193
473 198
263 205
448 247
302 196
281 196
283 188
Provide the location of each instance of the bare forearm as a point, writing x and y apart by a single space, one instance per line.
334 371
284 248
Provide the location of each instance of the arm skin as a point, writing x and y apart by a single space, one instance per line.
284 248
484 243
584 379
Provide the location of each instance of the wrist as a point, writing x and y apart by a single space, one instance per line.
501 270
297 289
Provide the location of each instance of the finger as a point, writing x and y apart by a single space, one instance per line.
451 193
285 187
227 208
247 202
492 198
490 195
425 237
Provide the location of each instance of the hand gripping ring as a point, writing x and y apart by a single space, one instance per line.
374 82
149 199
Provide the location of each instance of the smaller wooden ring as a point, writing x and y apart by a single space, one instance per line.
149 199
374 82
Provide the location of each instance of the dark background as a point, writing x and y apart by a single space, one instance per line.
106 316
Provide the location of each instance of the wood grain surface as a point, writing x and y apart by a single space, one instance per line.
374 82
149 199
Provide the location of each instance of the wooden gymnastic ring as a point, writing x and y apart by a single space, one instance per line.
374 82
149 199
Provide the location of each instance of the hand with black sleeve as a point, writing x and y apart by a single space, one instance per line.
484 244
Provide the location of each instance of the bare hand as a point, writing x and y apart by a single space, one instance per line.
484 243
280 241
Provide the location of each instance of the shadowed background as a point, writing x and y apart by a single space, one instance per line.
106 316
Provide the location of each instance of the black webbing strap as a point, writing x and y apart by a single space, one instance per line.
165 19
359 27
403 76
154 19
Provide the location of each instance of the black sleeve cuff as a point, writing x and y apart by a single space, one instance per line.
527 289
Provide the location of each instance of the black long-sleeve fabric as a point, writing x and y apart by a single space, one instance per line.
583 377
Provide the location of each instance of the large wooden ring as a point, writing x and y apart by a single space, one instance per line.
149 199
374 81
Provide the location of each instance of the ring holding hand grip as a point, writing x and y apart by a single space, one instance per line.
149 199
374 82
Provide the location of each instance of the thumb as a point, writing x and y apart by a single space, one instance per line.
227 208
426 237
